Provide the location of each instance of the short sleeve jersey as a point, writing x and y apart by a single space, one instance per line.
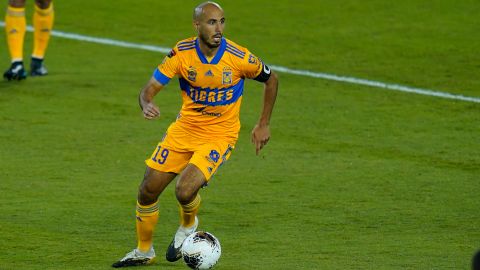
211 89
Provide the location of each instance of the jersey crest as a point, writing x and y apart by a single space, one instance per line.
227 75
192 73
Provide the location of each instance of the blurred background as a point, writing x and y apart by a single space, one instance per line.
354 177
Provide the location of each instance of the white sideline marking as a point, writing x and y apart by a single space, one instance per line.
307 73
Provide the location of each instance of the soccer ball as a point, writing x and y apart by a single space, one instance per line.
201 250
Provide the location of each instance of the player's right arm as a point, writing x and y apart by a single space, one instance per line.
145 99
161 76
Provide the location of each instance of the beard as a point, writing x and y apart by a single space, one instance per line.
205 41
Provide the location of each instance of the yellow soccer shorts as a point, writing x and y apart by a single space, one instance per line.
178 148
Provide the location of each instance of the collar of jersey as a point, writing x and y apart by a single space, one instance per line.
217 56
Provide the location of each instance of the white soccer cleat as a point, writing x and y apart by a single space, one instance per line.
136 258
173 251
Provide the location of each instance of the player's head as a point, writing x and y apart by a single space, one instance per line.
209 22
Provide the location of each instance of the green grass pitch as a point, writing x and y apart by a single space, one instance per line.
354 177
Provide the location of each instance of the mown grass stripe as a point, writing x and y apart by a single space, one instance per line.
307 73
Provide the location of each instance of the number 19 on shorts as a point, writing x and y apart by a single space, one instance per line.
160 159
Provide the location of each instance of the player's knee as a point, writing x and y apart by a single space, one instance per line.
146 195
43 4
184 194
16 3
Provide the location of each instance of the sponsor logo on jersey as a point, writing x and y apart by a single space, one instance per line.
203 112
212 96
201 109
212 114
209 73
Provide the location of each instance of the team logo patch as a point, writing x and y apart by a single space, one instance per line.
192 73
214 155
227 75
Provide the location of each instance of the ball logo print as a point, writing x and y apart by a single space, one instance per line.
201 250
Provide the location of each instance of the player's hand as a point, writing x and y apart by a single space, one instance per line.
260 136
151 111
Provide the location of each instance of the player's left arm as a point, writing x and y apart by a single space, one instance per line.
261 131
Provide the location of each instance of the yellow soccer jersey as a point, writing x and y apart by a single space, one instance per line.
211 89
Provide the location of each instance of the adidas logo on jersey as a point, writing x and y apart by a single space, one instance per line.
209 73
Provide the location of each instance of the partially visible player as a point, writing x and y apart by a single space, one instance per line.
476 261
211 70
15 28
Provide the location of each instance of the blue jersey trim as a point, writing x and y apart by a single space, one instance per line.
199 53
191 42
160 77
184 48
235 49
235 53
217 56
215 96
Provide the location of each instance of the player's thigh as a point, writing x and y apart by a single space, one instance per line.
209 157
43 4
162 166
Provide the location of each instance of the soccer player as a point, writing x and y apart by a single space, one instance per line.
211 70
15 27
476 261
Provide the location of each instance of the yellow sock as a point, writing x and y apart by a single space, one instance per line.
42 24
147 217
15 27
189 211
